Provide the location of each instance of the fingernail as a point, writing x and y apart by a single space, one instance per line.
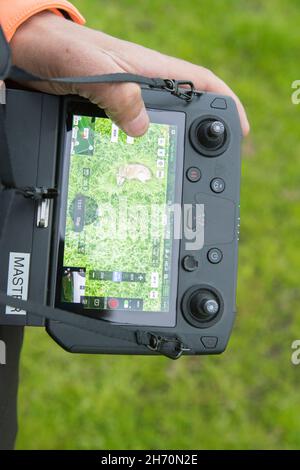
138 125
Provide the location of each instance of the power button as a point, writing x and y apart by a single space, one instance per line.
215 255
217 185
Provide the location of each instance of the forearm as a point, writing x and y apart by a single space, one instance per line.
13 13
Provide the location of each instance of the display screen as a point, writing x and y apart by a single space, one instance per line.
118 247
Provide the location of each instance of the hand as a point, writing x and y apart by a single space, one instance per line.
51 46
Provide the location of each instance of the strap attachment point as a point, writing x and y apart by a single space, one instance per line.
176 88
171 347
38 193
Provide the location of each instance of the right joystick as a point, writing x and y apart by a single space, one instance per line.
209 136
204 305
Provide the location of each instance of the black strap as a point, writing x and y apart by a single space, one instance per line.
18 74
170 346
183 89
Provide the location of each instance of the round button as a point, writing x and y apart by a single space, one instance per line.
189 263
193 174
215 255
217 185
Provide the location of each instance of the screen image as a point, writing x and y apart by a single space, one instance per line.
118 249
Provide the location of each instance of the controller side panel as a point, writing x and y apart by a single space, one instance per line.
32 129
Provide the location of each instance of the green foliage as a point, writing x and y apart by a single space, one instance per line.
248 397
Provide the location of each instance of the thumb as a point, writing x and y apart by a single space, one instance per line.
123 103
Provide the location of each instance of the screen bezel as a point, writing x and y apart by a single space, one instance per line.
147 318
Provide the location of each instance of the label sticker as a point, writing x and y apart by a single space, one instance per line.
18 277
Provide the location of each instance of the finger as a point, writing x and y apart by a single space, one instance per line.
123 103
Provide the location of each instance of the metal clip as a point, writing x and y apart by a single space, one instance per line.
2 92
176 88
42 215
156 343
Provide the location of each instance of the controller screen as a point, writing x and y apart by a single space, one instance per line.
117 241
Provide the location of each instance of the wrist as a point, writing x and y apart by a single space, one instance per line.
33 43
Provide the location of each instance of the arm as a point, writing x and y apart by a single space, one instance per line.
14 13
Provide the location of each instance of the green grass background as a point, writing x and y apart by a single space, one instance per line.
248 397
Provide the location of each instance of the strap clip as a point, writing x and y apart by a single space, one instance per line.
176 88
171 347
38 193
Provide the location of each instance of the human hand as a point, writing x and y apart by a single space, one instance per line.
51 46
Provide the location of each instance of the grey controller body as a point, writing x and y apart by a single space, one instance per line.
204 297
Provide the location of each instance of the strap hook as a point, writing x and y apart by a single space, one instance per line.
157 343
176 88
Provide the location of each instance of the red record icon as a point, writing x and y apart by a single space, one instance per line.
113 303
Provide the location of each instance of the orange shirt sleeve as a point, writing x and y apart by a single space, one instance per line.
15 12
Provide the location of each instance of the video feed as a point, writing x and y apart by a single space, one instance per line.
117 253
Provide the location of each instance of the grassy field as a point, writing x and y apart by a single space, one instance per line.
248 397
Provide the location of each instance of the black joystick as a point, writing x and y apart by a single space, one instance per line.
211 134
204 305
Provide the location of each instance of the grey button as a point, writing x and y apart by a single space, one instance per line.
215 255
193 174
209 342
217 185
189 263
219 103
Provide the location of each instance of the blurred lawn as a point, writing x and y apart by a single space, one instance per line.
248 397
